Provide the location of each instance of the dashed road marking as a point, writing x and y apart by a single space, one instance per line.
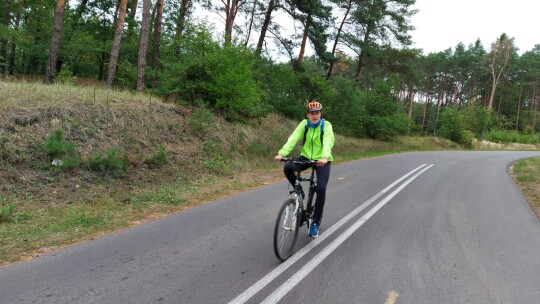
392 297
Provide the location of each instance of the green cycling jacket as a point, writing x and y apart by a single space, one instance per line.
312 149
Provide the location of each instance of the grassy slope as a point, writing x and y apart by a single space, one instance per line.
43 208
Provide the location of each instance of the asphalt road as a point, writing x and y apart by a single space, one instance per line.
430 227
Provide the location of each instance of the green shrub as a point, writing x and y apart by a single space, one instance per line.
60 152
466 138
385 128
6 213
216 164
201 120
378 119
506 136
66 77
3 149
233 88
56 145
452 127
114 161
66 163
159 159
480 119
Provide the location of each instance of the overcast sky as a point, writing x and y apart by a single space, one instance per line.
442 24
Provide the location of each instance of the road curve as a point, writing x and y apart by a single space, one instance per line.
426 227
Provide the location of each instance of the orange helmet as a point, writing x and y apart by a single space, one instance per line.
313 106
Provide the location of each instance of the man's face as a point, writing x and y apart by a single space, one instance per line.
314 116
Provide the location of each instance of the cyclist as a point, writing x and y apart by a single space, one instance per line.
317 146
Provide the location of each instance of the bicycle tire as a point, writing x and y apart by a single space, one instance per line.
286 230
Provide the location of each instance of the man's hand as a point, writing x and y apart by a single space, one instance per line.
321 162
278 157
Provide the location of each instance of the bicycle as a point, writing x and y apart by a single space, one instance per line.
292 214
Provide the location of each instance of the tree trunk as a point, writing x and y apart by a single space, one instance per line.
80 10
500 51
13 45
131 19
492 92
250 23
338 34
265 25
536 98
360 64
361 59
157 39
102 60
411 99
50 71
113 61
184 6
133 9
116 13
439 103
519 106
231 8
362 56
426 105
143 45
4 42
304 41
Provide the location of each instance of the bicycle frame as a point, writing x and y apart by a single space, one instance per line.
296 193
292 213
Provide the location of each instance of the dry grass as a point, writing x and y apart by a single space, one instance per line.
95 120
44 209
486 145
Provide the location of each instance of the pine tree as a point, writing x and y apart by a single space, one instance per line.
143 46
50 71
113 61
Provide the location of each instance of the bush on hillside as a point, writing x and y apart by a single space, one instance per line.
222 76
505 136
379 119
60 152
114 161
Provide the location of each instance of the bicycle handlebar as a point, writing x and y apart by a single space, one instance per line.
300 162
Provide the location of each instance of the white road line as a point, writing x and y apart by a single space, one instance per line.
281 291
251 291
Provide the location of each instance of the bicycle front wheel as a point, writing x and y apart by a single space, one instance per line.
286 231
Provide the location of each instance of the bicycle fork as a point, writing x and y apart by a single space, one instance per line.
293 219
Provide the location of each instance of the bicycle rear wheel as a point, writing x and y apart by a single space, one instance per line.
286 230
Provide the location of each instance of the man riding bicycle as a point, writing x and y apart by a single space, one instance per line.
318 139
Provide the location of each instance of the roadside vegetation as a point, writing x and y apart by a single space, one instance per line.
78 162
526 173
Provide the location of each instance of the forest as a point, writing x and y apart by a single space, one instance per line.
361 67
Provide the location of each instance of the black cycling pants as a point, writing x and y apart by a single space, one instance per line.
323 175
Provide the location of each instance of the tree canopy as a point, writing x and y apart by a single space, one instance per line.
361 67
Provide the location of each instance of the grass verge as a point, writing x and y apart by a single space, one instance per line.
28 229
526 173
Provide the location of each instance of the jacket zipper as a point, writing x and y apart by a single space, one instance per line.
312 134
